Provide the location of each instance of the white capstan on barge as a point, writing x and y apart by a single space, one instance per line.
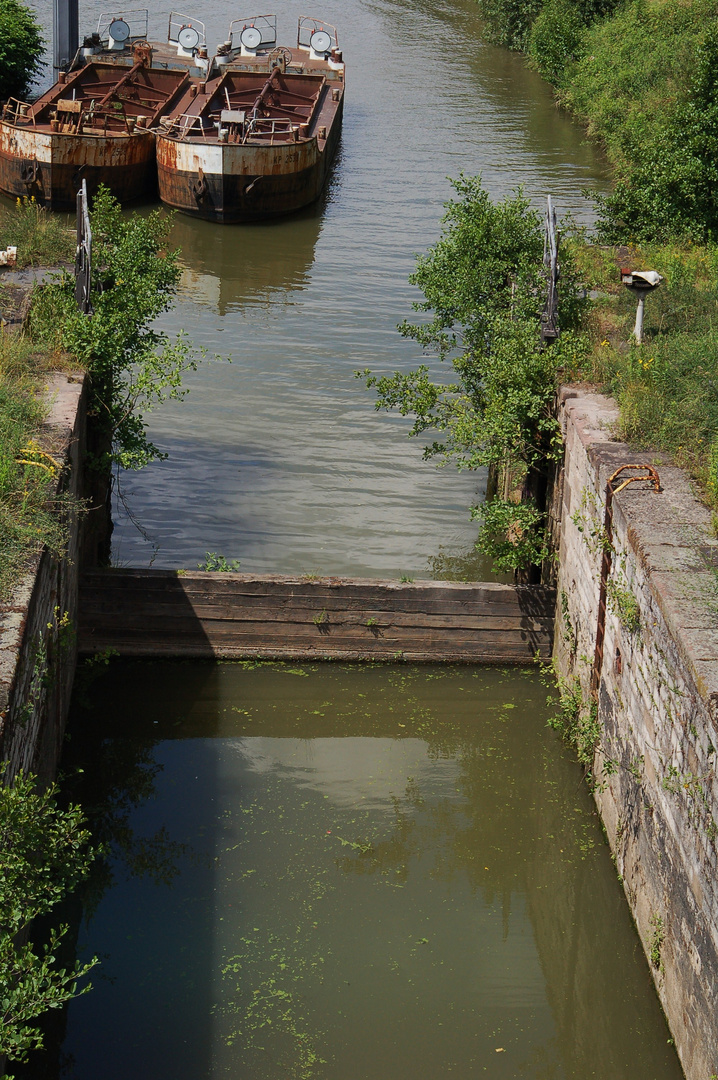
256 139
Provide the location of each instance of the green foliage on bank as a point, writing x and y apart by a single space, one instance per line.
133 366
642 76
41 239
21 49
667 388
33 512
647 87
510 23
44 854
484 285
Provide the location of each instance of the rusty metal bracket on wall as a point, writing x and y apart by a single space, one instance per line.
647 473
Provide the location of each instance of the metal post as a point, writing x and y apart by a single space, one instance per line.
83 255
65 33
550 329
638 329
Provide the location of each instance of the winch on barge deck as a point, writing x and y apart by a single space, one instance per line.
257 140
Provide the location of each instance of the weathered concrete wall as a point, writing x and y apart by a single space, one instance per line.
655 762
38 648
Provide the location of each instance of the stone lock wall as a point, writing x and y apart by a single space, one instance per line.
38 626
657 710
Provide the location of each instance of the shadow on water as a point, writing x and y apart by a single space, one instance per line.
236 266
301 856
114 770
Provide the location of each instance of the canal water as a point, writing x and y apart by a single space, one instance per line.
327 872
278 458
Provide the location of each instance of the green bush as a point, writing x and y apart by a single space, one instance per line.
21 48
512 534
484 284
44 854
133 366
556 40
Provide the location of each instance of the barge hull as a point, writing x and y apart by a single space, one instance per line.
231 184
52 175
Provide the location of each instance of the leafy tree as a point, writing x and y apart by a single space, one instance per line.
669 183
133 366
21 48
484 285
44 854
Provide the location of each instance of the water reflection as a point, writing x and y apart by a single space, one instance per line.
405 852
226 268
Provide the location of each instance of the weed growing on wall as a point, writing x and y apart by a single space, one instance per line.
623 603
658 935
576 718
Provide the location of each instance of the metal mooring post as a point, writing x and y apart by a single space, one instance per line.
640 282
83 253
649 474
550 329
65 33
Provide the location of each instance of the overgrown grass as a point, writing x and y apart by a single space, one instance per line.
32 514
41 238
667 388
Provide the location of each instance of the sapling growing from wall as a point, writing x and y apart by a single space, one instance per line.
484 287
133 365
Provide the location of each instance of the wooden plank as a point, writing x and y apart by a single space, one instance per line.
293 653
118 599
163 613
150 581
327 632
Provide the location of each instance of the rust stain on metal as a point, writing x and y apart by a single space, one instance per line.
649 474
93 125
250 145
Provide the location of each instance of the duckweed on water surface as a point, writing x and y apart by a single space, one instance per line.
391 867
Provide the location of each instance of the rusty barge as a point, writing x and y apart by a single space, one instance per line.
256 140
94 125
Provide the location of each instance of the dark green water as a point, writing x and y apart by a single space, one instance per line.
345 873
